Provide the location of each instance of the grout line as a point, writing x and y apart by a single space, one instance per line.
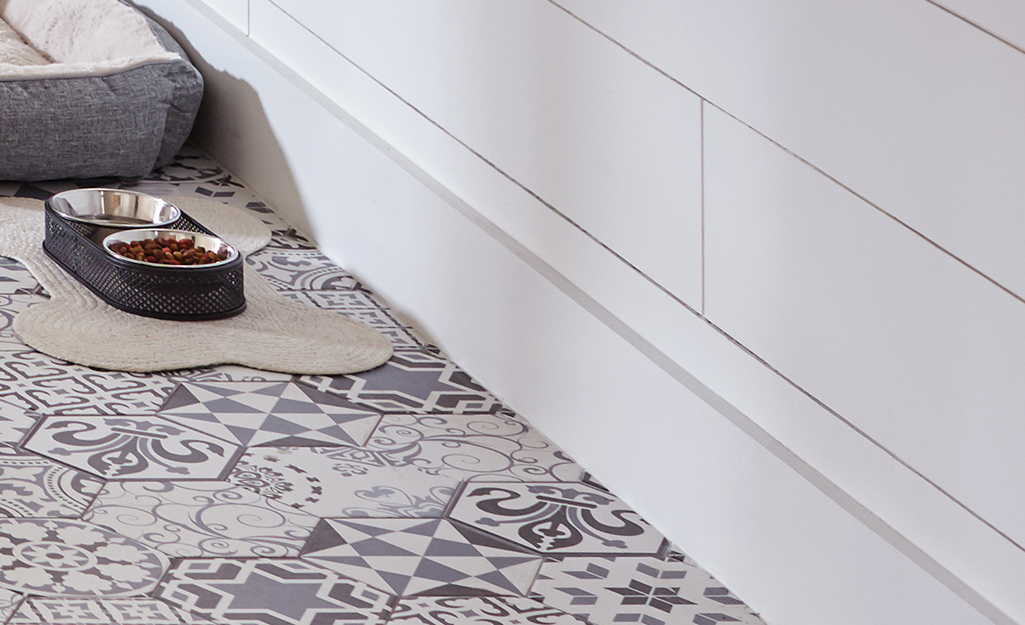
977 26
800 158
494 166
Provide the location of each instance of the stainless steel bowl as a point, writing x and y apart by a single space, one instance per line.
211 244
114 208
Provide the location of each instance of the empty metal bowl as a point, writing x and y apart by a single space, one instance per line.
209 243
114 208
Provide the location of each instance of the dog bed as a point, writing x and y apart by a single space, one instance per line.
90 88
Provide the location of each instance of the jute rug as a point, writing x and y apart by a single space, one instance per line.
274 333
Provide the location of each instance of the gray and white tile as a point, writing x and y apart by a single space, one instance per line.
417 381
64 558
608 590
361 307
556 518
477 610
9 603
271 591
270 413
32 486
136 611
342 482
408 557
201 519
122 448
488 447
301 270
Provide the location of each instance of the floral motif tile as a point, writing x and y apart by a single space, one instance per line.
141 611
120 448
58 557
32 486
270 413
361 307
422 556
556 518
271 591
342 482
236 373
300 270
607 590
486 446
477 610
412 381
197 519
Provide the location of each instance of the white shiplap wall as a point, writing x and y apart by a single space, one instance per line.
781 235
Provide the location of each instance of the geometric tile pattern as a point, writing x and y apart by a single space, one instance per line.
412 381
34 382
55 557
477 610
644 590
442 427
31 486
300 270
342 481
269 413
198 519
101 612
409 557
556 518
490 447
361 307
136 448
271 591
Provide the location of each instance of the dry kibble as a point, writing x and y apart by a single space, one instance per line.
168 251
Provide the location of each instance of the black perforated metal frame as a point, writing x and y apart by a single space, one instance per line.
194 294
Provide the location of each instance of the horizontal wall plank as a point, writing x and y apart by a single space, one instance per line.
607 141
910 346
913 108
1003 18
235 11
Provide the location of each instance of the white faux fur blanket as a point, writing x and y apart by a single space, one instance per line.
72 38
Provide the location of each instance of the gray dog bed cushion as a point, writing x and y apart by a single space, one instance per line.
88 89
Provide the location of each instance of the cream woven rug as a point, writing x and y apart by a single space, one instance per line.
274 333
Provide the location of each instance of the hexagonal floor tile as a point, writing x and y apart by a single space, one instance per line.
142 611
282 591
58 557
610 590
556 518
474 610
270 413
416 556
342 482
123 448
197 519
32 486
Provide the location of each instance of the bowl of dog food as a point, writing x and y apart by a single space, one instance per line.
170 249
114 208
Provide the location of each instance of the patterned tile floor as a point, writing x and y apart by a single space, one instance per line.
405 494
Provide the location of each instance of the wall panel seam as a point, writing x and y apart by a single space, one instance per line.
975 25
896 219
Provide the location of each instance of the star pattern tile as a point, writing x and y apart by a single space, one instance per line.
318 484
269 413
414 557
